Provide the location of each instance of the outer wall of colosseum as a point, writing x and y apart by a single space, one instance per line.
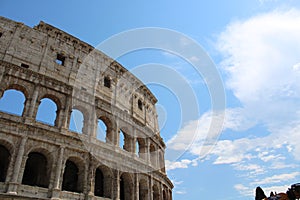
47 160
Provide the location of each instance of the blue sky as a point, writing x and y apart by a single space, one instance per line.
255 45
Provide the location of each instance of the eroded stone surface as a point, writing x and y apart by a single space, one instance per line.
45 62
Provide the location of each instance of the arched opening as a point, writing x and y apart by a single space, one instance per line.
4 162
76 121
12 102
164 195
71 177
126 187
122 140
143 190
99 183
137 148
47 111
161 161
36 171
155 192
152 154
142 149
101 130
103 182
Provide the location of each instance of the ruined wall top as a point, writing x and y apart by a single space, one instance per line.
52 52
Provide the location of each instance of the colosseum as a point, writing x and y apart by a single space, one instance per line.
58 95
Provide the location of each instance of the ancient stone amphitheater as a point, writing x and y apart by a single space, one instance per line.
42 155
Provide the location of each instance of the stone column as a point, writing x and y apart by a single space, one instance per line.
56 189
170 195
32 104
12 187
85 178
150 188
136 183
2 70
148 153
65 114
116 185
91 180
90 126
161 189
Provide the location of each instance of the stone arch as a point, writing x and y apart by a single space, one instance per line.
103 182
5 157
54 98
142 148
73 176
36 172
109 133
126 186
8 145
128 141
49 106
155 192
143 190
77 120
170 195
46 151
164 195
18 87
17 95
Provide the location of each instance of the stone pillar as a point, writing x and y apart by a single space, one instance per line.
170 195
32 104
12 187
57 188
65 114
161 189
115 135
2 70
144 154
136 184
151 188
116 185
148 153
90 124
85 178
91 178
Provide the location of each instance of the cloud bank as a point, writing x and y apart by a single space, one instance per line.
262 67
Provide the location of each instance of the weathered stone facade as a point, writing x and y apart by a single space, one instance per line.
49 161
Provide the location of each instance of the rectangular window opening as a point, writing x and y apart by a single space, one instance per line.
60 59
1 34
140 104
24 65
107 82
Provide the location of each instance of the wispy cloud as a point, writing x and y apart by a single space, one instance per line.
277 178
261 61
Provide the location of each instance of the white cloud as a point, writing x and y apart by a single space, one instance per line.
246 191
184 163
277 178
262 64
260 56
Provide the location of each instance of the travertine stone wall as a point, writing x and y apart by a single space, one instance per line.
45 62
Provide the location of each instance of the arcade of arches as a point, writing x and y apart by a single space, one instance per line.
38 165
